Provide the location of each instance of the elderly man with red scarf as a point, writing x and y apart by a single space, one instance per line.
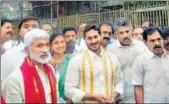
34 81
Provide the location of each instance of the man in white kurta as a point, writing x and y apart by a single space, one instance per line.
80 46
89 77
126 49
13 87
15 56
150 75
80 42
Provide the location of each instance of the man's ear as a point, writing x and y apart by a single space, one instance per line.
26 49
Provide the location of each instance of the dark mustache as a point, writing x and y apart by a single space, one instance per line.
157 46
45 54
10 32
106 38
126 39
94 43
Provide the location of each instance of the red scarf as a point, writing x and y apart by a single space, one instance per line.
2 100
34 91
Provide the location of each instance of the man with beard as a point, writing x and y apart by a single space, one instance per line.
6 33
16 55
70 34
94 75
34 81
151 74
127 49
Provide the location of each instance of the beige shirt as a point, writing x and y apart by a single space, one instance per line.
126 56
13 87
73 78
152 72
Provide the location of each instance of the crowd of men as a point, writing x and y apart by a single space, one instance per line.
105 63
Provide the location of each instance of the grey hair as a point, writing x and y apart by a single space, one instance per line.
34 34
121 22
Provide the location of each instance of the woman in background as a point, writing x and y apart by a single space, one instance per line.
59 59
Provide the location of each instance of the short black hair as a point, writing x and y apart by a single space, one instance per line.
150 31
27 19
121 22
90 27
107 23
54 35
4 20
165 31
69 28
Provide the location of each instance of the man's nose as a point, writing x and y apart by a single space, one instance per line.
45 49
10 29
93 40
125 35
106 35
157 42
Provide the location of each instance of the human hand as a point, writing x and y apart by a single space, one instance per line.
110 100
113 98
101 98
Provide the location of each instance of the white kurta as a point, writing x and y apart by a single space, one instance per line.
12 59
80 47
9 44
152 72
13 87
126 56
73 78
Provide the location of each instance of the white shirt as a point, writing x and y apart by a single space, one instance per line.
11 59
13 87
152 72
73 77
80 47
9 44
126 56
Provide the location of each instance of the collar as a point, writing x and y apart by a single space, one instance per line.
152 55
93 55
